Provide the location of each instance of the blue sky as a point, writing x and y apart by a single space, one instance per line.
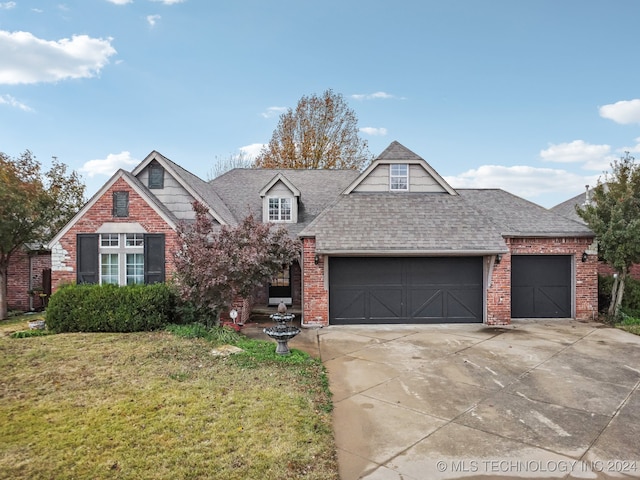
535 97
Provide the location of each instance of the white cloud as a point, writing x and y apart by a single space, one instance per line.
634 149
252 150
7 5
524 181
625 111
153 19
108 166
372 96
120 2
12 102
273 112
169 2
592 157
25 58
374 131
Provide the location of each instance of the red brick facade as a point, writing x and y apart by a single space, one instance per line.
26 275
315 296
498 300
64 269
586 276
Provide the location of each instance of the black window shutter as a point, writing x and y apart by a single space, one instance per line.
156 176
153 258
120 204
87 258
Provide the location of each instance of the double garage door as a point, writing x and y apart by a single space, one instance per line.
371 290
405 290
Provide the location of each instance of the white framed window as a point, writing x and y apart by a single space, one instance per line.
134 239
399 177
279 209
109 268
109 240
134 268
121 258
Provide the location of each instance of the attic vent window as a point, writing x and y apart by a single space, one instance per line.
399 177
120 204
156 176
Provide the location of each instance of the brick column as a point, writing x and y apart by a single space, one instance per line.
499 293
315 299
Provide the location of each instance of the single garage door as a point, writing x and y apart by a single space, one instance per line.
405 290
541 286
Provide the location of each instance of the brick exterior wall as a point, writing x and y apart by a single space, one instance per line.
64 252
315 299
586 276
316 296
25 273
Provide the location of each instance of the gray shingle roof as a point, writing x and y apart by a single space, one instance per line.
436 223
240 190
568 208
519 217
204 190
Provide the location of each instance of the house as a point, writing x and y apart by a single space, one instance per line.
29 278
392 244
568 210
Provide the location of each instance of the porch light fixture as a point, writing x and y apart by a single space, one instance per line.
498 258
316 259
585 257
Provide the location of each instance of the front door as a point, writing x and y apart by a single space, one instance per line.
280 287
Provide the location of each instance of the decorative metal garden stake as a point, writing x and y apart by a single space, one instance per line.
282 332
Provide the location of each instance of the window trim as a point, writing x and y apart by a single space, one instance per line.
281 201
394 176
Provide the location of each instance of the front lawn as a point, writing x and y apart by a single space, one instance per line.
157 405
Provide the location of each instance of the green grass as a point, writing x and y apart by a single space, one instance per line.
159 405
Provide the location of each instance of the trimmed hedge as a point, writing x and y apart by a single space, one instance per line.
110 308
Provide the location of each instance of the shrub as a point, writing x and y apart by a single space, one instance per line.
110 308
630 300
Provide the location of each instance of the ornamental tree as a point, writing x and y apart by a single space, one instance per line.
613 213
34 205
322 132
216 264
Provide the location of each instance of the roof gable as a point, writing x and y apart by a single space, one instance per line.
280 178
422 177
135 184
196 187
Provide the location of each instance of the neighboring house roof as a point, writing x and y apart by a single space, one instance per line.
240 189
518 217
568 208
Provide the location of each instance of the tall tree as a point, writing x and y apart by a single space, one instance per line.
34 205
321 132
223 165
215 264
613 213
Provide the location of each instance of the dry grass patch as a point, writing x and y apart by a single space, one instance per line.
153 406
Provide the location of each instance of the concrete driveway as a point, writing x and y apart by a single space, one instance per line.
537 399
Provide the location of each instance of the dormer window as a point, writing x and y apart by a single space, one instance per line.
399 177
279 209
